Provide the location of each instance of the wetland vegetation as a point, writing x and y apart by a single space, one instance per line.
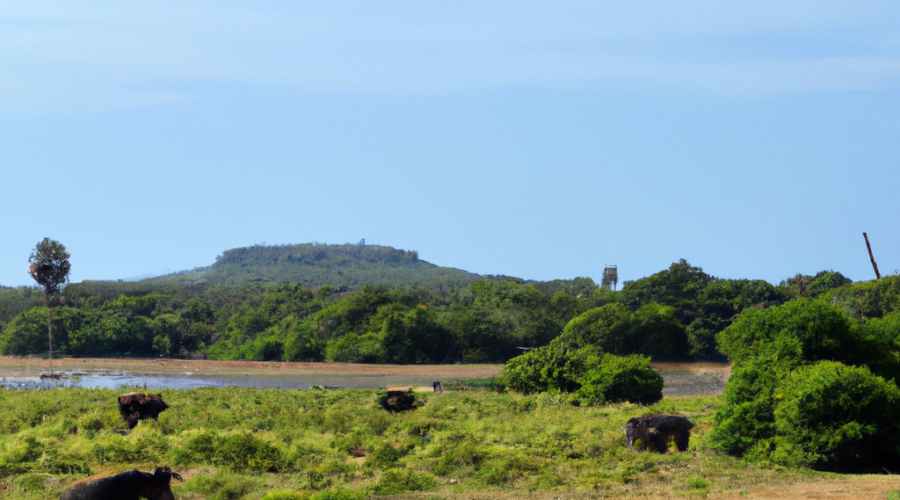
246 443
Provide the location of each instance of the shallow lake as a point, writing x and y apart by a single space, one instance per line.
191 381
678 381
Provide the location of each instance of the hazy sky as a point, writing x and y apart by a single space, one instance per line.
540 140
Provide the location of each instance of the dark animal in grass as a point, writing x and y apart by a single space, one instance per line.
139 406
438 387
125 486
654 431
395 401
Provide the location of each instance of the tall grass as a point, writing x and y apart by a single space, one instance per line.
246 443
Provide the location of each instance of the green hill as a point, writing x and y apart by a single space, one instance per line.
349 265
311 264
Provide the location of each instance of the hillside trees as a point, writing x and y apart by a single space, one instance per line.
673 314
867 299
14 301
705 305
652 330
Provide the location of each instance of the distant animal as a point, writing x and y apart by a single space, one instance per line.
131 485
654 431
395 401
139 406
438 387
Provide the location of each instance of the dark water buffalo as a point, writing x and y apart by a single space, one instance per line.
397 401
139 406
131 485
654 431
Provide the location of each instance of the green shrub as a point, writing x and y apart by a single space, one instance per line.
493 476
238 451
765 345
798 331
748 413
286 495
620 379
879 346
246 452
839 417
395 481
339 494
548 368
224 485
385 456
697 483
536 371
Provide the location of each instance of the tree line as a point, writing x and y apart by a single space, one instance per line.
673 314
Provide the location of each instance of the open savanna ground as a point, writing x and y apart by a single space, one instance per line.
245 443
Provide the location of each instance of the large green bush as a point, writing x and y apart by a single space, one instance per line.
791 424
594 377
747 417
547 368
801 330
619 379
879 346
834 416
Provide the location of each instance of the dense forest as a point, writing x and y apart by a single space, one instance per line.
454 317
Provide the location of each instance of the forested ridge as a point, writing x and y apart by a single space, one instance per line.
673 314
313 264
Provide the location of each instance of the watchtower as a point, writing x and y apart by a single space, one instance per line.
610 277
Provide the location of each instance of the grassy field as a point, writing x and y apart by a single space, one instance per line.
244 443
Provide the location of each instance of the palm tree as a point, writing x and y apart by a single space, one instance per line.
50 268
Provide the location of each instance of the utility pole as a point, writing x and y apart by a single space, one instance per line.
874 265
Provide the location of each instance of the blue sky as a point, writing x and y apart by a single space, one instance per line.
540 140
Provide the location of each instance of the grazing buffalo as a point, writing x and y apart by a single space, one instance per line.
397 401
138 406
131 485
654 431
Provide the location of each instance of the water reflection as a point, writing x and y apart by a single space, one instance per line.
191 381
108 381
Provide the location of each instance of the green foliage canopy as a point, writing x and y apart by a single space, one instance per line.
838 417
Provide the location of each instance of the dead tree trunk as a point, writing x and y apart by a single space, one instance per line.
872 258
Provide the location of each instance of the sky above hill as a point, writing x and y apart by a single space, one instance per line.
540 140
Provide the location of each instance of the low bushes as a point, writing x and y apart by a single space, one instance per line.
395 481
594 377
239 451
